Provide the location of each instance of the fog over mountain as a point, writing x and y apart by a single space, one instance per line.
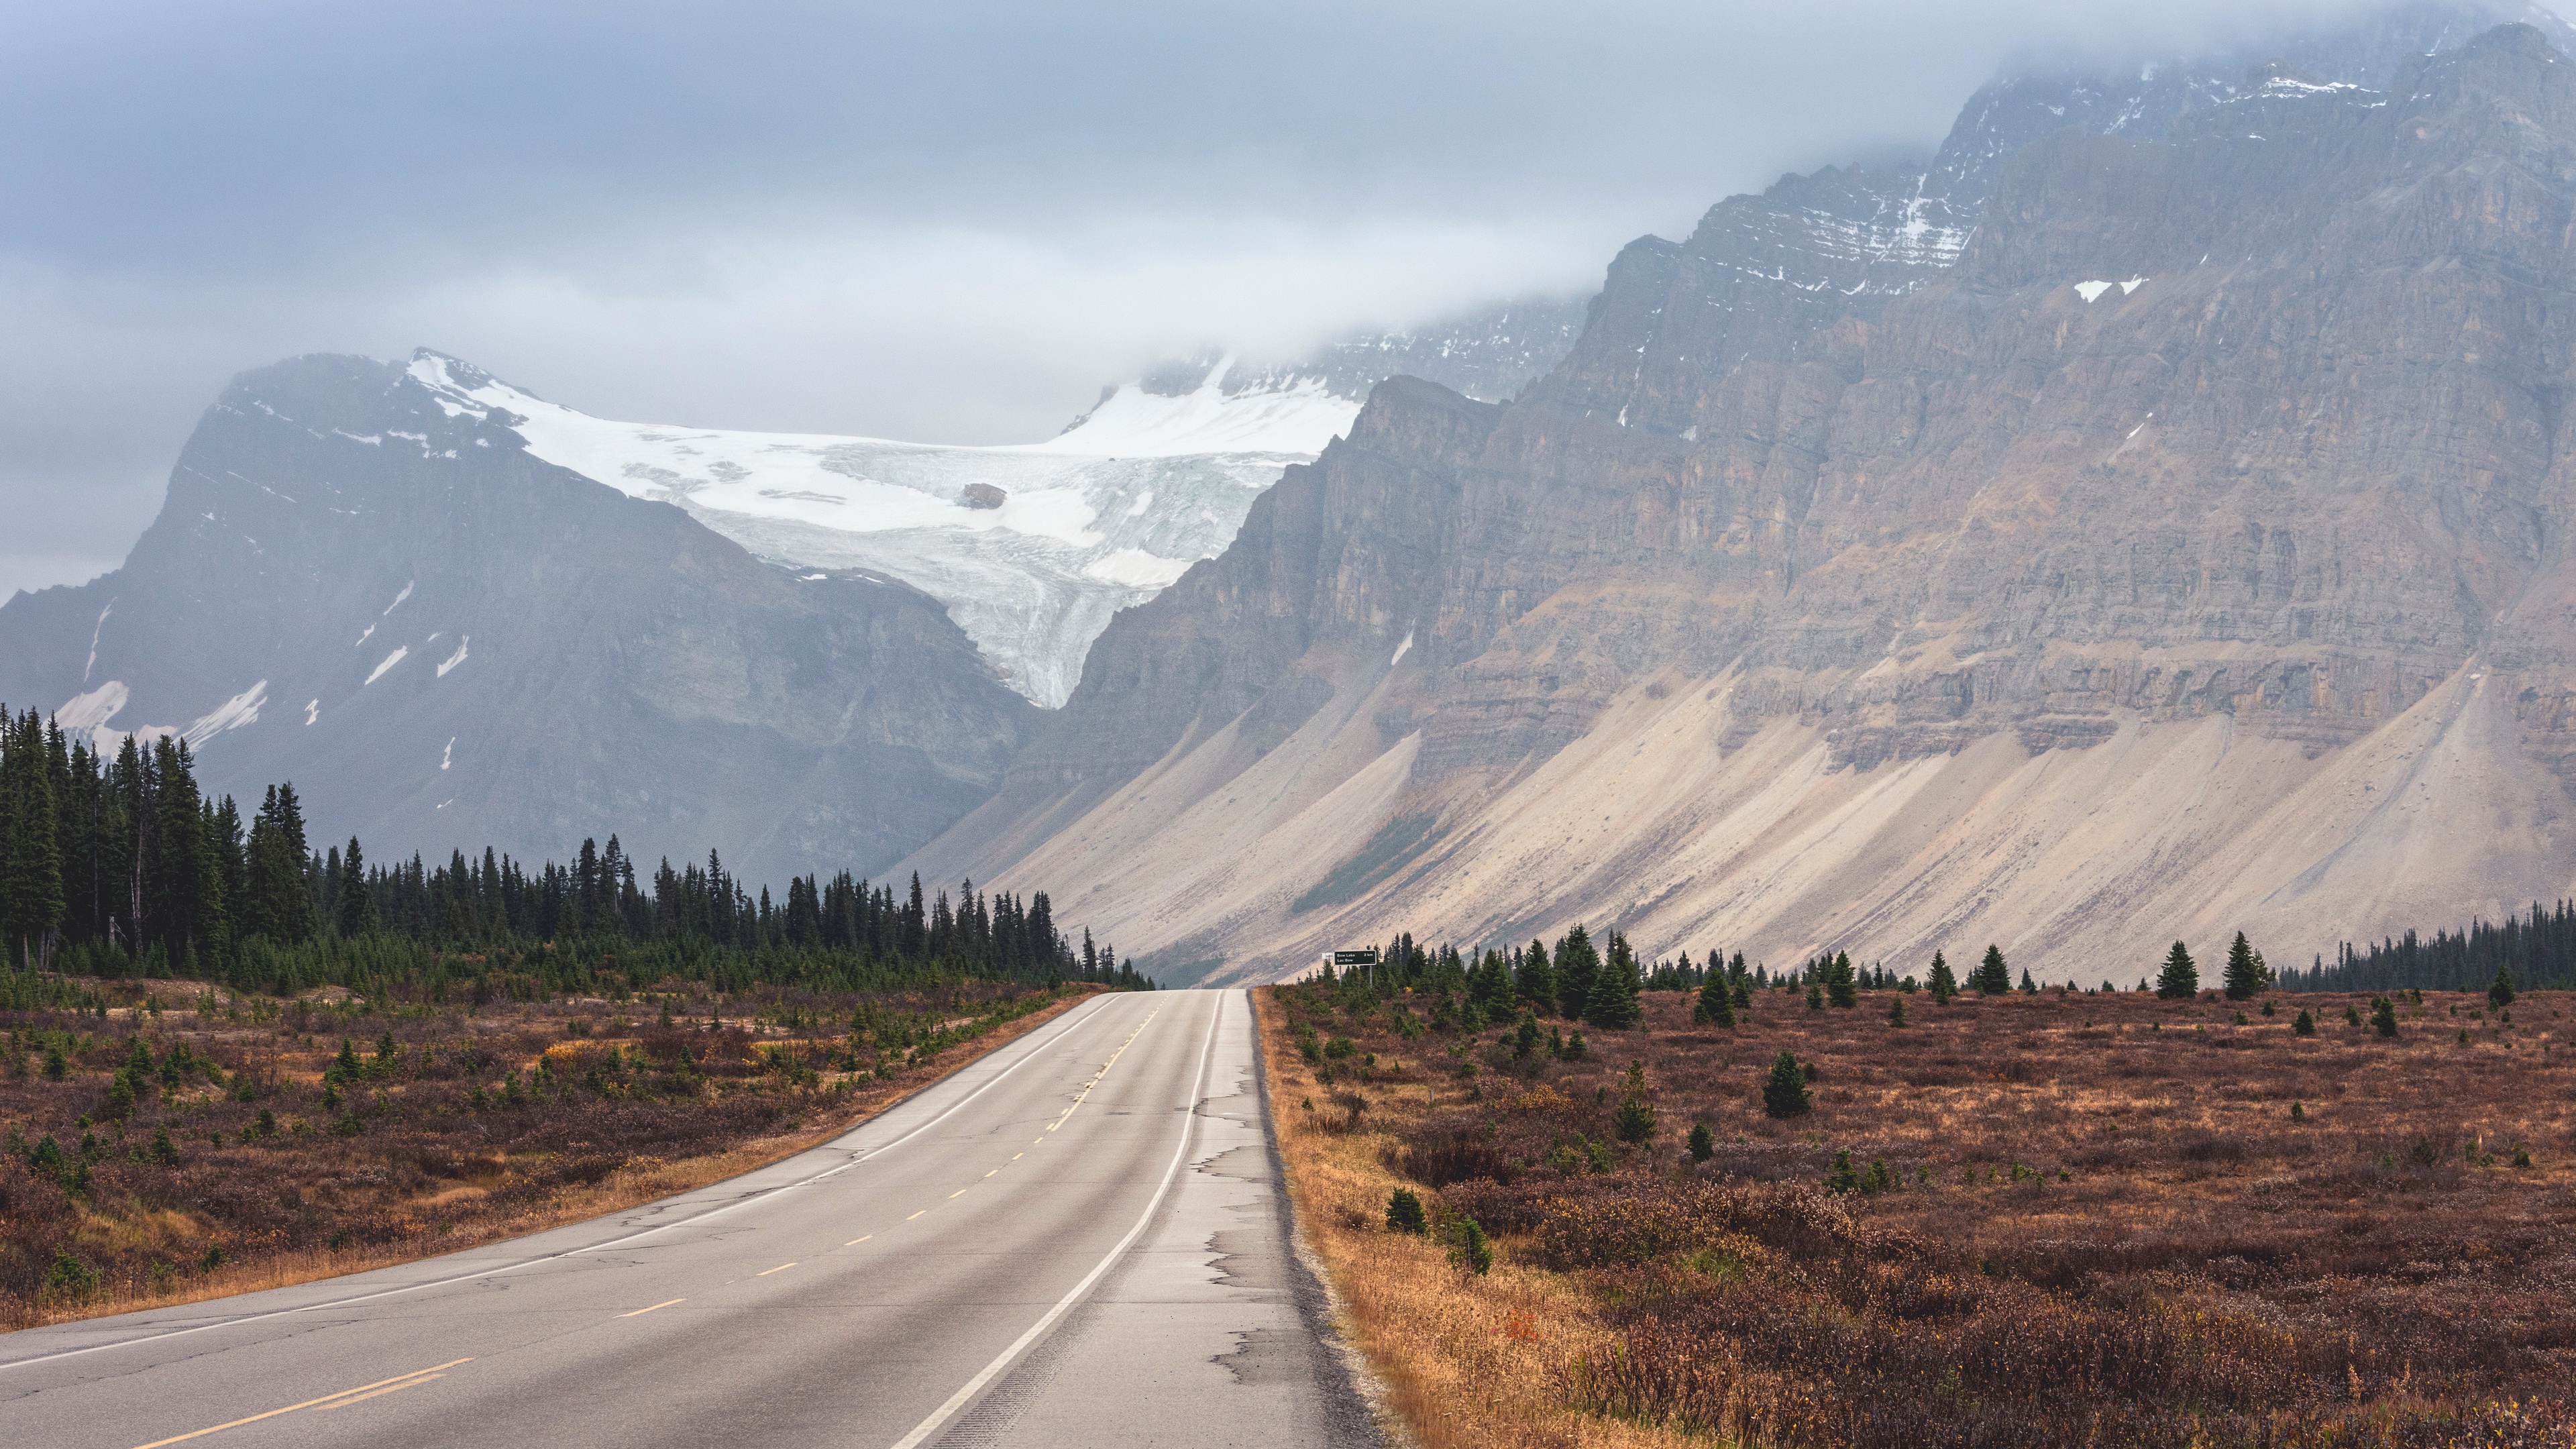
949 224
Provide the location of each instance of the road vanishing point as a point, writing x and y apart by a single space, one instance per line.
1080 1239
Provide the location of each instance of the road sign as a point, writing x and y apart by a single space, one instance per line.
1355 958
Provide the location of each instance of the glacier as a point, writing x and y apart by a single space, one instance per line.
1059 535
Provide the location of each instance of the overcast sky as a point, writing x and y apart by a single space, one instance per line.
946 222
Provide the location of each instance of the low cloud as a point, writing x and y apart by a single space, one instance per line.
950 223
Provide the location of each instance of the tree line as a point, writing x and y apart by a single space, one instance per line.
2537 949
120 866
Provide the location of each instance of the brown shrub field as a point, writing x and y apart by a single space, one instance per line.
2027 1220
171 1141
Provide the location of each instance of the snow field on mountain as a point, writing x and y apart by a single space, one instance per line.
1101 518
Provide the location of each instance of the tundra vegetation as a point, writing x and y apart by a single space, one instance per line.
170 1140
2020 1217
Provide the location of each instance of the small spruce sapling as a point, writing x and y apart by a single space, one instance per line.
1703 1143
2383 1016
1840 988
1844 1177
1896 1010
2500 991
1784 1092
2180 978
1993 977
1469 1247
1716 1004
2303 1024
1943 984
1404 1212
1636 1116
2246 974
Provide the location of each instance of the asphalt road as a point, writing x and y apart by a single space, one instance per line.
1080 1239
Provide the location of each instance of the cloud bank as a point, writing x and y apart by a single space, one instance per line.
950 223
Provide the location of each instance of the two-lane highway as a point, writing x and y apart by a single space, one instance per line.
1081 1239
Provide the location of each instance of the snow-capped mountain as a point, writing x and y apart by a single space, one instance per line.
1031 547
362 586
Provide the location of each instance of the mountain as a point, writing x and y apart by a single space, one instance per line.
1030 547
362 584
2174 549
405 587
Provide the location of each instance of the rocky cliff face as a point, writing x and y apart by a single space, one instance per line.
366 586
2186 553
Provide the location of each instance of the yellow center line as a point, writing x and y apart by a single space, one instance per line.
1104 1069
854 1242
961 1192
781 1268
308 1403
1016 1156
379 1393
915 1215
640 1312
989 1174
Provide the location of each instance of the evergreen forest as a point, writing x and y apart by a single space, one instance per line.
119 866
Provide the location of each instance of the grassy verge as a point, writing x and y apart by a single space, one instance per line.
195 1145
1468 1361
2024 1221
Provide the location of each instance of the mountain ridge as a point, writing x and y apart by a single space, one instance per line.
1770 621
445 641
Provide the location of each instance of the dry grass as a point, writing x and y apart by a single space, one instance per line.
2109 1228
1466 1360
441 1158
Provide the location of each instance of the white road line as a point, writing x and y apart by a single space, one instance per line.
1063 1027
1105 1066
990 1371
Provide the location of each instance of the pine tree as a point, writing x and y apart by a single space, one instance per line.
1896 1010
2028 986
182 875
1944 985
2180 979
2304 1024
1716 1005
31 861
357 903
1635 1120
2500 991
1784 1092
1490 984
1992 977
1703 1143
1612 1004
1576 965
1537 983
1839 987
2246 978
2383 1016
